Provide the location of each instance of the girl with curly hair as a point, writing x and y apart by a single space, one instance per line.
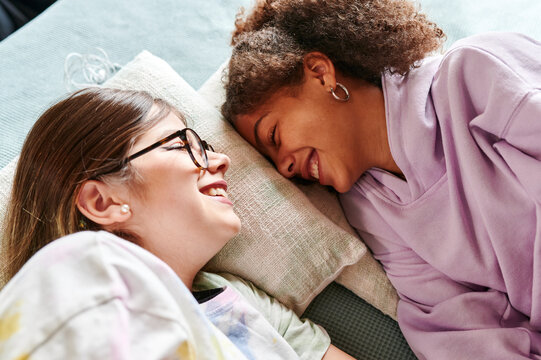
436 157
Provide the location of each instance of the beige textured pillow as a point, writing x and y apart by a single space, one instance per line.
365 278
286 246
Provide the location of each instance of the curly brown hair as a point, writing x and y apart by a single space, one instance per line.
363 39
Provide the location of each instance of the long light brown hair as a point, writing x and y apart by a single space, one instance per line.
363 39
89 131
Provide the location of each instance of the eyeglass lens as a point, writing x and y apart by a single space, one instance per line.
197 149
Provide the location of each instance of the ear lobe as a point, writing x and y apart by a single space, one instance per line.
318 66
97 202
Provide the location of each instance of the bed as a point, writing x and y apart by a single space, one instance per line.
184 44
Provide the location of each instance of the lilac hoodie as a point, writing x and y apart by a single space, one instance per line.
461 239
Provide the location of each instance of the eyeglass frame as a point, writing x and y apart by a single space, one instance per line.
181 134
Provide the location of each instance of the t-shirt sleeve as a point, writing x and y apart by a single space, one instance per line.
308 340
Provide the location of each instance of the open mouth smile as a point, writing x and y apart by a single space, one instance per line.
217 190
312 166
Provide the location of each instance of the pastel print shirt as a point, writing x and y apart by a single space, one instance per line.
259 325
92 295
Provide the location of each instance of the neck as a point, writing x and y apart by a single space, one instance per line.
367 106
186 267
187 271
187 279
186 253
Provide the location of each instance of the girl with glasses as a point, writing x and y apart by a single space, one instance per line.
436 157
153 194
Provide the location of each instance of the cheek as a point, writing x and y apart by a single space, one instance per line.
168 191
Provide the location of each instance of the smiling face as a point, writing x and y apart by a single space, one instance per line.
309 135
181 213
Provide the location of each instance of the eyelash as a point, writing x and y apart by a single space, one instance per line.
272 134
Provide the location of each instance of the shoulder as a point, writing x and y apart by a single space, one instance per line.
488 73
513 54
493 42
88 268
82 276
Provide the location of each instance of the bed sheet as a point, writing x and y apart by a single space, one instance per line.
192 36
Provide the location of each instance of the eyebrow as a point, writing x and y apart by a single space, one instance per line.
160 139
166 133
256 127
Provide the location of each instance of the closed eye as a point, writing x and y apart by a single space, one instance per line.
175 146
271 136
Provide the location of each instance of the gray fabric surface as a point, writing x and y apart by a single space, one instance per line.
356 327
192 36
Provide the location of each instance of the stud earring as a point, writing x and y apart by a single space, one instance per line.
125 208
82 224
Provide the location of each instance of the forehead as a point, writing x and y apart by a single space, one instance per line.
164 127
245 125
276 105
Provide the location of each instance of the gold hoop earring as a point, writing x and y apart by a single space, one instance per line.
344 89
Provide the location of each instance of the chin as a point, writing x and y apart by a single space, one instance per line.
236 227
343 184
226 234
342 188
232 227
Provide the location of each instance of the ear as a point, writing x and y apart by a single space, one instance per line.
99 203
318 66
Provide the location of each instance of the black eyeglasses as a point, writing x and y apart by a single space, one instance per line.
196 147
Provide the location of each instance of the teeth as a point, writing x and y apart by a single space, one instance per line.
314 169
221 192
216 192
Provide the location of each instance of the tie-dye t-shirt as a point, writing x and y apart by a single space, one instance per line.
259 325
92 295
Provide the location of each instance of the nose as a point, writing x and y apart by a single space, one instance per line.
285 163
218 162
